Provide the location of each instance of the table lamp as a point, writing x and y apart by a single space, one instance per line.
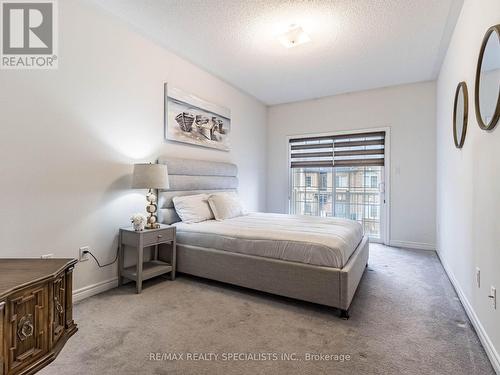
150 176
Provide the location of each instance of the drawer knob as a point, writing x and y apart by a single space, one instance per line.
59 307
25 327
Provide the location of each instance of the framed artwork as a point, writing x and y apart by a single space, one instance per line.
192 120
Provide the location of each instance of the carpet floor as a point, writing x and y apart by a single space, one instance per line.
405 319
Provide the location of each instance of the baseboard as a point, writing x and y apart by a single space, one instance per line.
92 290
413 245
488 346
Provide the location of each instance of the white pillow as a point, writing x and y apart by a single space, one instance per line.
225 205
193 208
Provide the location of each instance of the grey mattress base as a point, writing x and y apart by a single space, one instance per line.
324 285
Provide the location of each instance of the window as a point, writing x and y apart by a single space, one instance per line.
372 211
323 199
323 177
308 181
352 164
325 204
340 210
341 180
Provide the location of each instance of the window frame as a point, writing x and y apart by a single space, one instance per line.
385 206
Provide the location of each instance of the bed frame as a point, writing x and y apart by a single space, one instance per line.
324 285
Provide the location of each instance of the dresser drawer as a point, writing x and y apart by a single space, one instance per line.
36 315
158 236
28 329
58 307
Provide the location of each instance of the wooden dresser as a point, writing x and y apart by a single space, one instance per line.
36 317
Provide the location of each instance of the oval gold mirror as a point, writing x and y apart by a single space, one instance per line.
460 114
487 89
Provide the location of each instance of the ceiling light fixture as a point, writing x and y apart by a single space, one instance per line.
293 37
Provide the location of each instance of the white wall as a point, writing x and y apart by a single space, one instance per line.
409 110
468 180
68 138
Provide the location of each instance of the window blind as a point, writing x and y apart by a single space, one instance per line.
346 150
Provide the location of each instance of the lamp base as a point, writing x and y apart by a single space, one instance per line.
152 226
151 208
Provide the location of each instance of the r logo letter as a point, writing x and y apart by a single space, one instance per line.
35 21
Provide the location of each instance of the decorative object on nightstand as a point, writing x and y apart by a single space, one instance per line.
138 222
150 176
163 257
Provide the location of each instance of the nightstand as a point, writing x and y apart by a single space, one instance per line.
159 239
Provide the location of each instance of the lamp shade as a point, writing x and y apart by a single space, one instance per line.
150 176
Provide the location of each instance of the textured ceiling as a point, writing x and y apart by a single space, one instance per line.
356 44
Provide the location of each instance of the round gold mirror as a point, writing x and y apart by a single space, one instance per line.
487 89
460 114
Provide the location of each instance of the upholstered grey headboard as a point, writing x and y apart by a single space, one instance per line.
188 177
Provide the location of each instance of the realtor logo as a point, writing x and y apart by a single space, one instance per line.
29 39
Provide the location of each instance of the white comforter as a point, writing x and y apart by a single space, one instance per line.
305 239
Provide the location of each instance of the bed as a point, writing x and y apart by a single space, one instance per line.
307 258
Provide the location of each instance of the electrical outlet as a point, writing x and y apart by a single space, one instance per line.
82 256
478 277
493 296
47 256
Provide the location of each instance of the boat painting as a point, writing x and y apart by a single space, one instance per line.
193 120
